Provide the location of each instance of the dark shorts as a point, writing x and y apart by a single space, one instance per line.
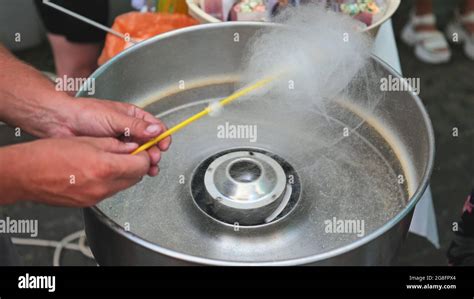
74 30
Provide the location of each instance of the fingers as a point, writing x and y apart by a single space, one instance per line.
155 155
112 145
164 144
137 128
108 118
132 166
141 129
122 163
154 171
136 112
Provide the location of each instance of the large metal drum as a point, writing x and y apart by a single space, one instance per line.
301 192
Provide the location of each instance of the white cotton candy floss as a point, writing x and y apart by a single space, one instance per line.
215 108
319 52
316 56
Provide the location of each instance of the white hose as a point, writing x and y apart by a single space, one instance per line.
59 245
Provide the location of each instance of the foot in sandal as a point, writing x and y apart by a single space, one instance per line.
430 44
461 30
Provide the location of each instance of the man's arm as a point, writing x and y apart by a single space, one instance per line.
28 99
78 171
74 171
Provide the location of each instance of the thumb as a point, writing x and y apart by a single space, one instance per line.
135 128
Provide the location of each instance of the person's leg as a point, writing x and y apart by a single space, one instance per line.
423 8
461 28
76 45
422 33
76 60
467 9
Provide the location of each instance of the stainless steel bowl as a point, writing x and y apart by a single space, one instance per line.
371 178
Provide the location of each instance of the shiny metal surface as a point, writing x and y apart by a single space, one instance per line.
356 179
244 187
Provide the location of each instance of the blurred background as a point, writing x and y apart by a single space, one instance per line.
447 91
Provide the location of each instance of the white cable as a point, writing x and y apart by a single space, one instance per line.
59 245
42 243
62 244
84 248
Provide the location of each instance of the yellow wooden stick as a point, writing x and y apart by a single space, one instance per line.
204 112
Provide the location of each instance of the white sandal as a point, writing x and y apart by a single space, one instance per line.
455 29
430 46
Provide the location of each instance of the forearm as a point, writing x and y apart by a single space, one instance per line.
12 187
28 99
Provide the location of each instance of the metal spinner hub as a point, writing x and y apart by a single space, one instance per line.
245 187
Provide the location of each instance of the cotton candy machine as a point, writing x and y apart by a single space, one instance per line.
260 184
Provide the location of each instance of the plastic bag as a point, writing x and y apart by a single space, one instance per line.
141 26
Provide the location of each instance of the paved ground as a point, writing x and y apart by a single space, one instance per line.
448 94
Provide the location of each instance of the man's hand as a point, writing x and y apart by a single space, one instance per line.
70 171
34 105
103 118
75 171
